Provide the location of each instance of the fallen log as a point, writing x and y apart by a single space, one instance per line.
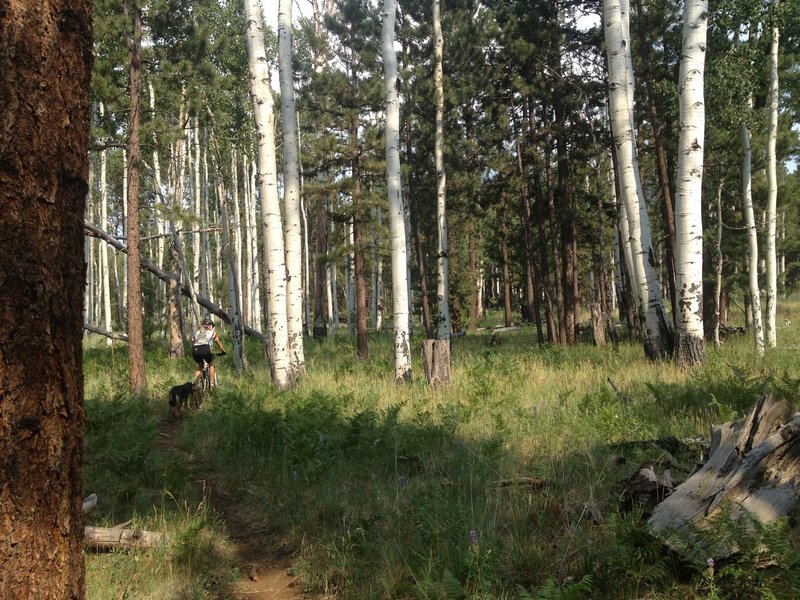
110 538
752 469
94 231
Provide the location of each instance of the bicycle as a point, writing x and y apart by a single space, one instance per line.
205 385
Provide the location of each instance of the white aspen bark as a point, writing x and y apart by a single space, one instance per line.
274 276
718 269
307 319
752 237
333 294
443 281
400 280
771 332
350 279
255 269
247 231
89 244
377 268
104 225
124 226
689 335
235 309
236 225
161 226
197 236
291 193
657 333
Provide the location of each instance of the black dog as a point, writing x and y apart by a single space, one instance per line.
179 397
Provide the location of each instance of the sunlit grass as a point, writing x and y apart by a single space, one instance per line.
391 491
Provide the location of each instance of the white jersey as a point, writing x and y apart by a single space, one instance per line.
204 337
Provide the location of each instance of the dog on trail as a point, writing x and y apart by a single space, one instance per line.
179 397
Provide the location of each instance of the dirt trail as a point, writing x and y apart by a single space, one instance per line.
264 568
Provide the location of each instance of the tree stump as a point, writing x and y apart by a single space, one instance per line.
436 358
752 469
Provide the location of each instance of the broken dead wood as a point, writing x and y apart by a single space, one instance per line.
89 503
109 334
94 231
436 359
108 538
752 469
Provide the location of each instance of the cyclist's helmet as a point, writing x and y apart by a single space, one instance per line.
208 321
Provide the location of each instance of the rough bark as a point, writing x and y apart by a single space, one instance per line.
320 268
436 360
137 378
45 68
751 470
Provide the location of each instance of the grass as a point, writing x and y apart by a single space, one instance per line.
385 491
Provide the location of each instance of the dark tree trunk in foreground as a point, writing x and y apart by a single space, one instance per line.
45 66
136 373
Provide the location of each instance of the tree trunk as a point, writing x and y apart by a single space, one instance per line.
136 373
443 281
750 471
658 335
291 194
400 312
752 239
436 359
44 170
689 334
772 195
320 270
274 275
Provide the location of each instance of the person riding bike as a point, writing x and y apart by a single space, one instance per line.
202 340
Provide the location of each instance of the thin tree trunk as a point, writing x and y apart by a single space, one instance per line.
291 181
443 282
689 335
772 195
400 312
752 238
136 372
718 268
320 265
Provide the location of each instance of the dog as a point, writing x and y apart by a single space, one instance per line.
179 397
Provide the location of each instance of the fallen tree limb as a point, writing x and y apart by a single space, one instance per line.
94 231
107 538
751 470
108 334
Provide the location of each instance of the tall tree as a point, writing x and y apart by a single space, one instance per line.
658 335
689 338
443 286
772 191
274 279
45 61
291 193
400 312
136 371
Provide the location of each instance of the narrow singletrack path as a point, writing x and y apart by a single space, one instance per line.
264 565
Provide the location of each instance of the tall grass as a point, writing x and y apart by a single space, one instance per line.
386 491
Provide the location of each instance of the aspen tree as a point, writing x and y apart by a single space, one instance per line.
772 195
274 273
689 338
657 338
400 280
291 190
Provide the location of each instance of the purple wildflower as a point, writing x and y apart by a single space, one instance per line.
473 537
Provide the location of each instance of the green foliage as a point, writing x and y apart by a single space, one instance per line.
385 491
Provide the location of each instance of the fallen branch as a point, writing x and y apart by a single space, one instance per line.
108 538
108 334
533 482
94 231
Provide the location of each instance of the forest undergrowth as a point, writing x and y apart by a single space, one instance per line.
505 484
